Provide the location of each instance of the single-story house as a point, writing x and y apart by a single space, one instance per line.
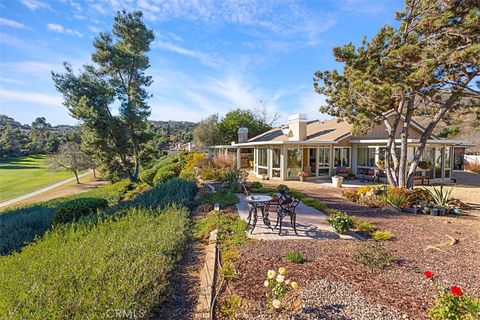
320 148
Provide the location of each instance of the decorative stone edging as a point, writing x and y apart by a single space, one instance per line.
207 279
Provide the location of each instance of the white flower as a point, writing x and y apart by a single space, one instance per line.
266 283
276 303
280 278
271 274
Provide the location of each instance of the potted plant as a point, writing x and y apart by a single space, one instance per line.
424 165
381 164
303 175
337 181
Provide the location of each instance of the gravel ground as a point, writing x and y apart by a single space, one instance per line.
398 290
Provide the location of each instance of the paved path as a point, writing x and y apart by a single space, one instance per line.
34 193
311 224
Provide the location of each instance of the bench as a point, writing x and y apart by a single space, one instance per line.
422 178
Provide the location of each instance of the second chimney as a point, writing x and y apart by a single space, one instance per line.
242 135
297 124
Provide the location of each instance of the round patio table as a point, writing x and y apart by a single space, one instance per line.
256 202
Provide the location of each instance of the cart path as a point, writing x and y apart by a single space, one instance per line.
42 190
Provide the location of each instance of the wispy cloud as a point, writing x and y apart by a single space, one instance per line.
12 24
61 29
35 4
202 57
33 97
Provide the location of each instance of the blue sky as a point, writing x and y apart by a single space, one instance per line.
208 56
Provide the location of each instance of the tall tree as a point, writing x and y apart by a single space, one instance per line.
10 140
39 135
242 118
432 58
206 133
69 157
115 141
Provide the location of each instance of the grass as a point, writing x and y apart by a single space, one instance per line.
23 175
223 197
83 272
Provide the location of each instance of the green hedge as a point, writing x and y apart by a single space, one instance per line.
72 210
83 272
19 227
163 176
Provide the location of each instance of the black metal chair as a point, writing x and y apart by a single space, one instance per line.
287 204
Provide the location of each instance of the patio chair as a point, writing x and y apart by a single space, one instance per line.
287 204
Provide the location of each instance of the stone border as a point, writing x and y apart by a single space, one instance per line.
207 279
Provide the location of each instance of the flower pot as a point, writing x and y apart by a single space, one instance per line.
434 211
441 211
457 211
302 178
337 181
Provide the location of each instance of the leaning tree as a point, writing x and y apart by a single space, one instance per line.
431 60
117 78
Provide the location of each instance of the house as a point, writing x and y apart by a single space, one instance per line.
320 148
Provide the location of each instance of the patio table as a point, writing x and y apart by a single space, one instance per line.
258 202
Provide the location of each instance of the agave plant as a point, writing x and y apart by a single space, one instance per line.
440 196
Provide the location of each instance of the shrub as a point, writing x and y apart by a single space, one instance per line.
234 177
372 201
148 175
188 175
341 222
72 210
473 167
295 257
123 264
439 196
21 226
256 185
350 194
382 235
363 225
223 197
141 187
420 194
373 255
229 306
398 201
163 176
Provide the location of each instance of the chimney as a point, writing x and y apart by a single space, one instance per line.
242 135
297 123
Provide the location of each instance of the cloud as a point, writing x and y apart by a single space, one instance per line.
61 29
35 4
33 97
202 57
12 24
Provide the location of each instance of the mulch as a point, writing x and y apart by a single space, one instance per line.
400 286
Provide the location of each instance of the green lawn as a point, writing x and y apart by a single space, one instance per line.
19 176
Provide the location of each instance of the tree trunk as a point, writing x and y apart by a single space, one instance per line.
94 173
76 176
427 133
402 172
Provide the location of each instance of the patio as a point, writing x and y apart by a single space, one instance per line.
311 224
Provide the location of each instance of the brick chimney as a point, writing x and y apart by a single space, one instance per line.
242 135
297 123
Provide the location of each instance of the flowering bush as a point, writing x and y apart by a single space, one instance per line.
341 222
452 304
278 286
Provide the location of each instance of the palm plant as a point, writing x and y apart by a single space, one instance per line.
440 196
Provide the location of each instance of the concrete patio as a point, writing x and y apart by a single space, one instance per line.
311 224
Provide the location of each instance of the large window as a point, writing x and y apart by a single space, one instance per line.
261 161
323 161
276 163
342 157
446 160
366 156
294 163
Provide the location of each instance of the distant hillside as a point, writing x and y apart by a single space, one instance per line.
175 130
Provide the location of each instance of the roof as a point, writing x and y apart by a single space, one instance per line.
317 131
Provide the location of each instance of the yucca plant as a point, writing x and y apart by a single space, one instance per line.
440 196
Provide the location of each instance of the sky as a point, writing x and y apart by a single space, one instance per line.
207 57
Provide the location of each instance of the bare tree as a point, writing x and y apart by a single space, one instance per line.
69 157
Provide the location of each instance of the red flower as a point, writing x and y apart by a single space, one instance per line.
457 291
428 274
